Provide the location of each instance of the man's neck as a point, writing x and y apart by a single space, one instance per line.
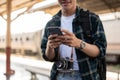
68 12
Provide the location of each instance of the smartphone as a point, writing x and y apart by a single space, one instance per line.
55 30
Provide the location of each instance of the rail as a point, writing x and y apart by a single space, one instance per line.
40 71
117 75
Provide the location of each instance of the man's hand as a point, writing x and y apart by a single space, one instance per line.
53 41
70 39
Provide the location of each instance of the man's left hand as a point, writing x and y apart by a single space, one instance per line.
70 39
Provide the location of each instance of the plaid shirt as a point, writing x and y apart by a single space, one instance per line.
87 65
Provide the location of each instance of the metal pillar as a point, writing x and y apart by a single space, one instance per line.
9 72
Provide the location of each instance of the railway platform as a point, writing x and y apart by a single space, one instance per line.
22 65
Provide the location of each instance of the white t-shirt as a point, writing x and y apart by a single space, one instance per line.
65 51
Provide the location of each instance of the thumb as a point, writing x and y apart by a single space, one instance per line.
66 32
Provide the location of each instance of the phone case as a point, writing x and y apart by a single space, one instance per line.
54 30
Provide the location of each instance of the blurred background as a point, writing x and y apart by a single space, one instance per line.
22 24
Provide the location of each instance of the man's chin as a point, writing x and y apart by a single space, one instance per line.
66 6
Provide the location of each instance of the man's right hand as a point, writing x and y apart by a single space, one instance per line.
53 41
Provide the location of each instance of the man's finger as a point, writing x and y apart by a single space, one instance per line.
52 36
66 32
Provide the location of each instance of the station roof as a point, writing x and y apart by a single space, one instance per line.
17 4
97 6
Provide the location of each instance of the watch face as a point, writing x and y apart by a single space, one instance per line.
82 45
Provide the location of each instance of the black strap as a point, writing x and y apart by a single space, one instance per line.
85 24
102 68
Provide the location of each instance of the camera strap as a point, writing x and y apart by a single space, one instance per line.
71 57
71 54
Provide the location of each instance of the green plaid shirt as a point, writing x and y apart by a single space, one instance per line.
87 65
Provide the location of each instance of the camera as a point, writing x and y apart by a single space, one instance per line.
65 64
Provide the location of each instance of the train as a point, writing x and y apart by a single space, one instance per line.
23 43
29 43
112 28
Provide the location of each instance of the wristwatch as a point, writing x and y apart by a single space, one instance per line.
82 45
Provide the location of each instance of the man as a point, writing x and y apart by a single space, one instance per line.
73 45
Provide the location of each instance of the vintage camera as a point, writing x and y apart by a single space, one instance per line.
65 64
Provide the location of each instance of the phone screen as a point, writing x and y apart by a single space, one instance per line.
55 30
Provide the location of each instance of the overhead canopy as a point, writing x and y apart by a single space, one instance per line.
17 4
97 6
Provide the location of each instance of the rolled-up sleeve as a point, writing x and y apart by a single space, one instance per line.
44 43
99 37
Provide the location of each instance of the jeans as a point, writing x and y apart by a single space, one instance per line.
69 76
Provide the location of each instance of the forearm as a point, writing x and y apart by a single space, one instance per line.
91 50
50 53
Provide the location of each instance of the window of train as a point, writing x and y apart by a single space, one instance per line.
16 39
3 40
2 50
27 39
13 50
20 39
